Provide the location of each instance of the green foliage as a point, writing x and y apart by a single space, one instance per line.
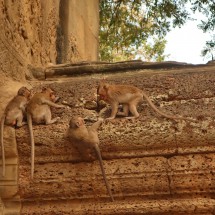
137 28
207 7
132 28
209 49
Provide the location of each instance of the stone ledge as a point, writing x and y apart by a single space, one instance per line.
147 158
197 206
148 177
83 68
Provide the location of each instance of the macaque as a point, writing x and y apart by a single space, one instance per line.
13 116
38 111
129 96
86 140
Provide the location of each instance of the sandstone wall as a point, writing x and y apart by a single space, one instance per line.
40 32
154 165
78 31
33 35
28 35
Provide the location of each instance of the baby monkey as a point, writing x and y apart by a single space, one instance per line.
86 139
38 111
129 96
13 116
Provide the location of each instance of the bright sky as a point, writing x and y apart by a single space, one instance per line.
185 44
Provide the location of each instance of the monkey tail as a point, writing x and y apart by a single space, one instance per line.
2 144
103 172
97 100
164 114
30 127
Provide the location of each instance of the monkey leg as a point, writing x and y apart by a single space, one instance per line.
124 112
20 125
19 122
48 118
86 154
52 121
114 109
133 110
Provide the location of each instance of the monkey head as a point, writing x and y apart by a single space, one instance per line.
47 90
102 90
23 91
50 93
76 122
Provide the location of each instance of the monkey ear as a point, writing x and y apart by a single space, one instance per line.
78 123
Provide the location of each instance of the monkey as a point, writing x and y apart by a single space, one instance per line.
38 111
129 96
86 139
13 116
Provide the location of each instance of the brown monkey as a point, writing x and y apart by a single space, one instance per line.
13 116
38 111
86 140
129 96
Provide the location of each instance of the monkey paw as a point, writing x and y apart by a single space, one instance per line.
110 118
101 119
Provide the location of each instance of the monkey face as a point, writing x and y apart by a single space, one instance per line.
53 97
47 90
102 91
23 91
51 94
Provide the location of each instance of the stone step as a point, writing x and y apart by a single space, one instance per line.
118 144
197 206
149 176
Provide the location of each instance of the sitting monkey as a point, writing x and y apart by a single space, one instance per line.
13 116
38 111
